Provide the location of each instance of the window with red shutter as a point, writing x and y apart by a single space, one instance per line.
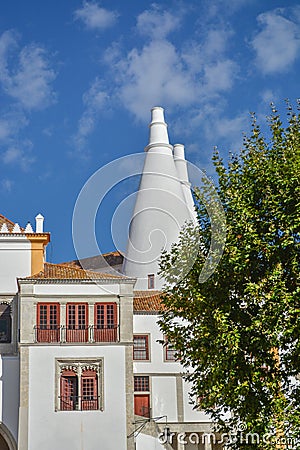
142 396
89 390
80 384
77 322
48 327
106 322
68 391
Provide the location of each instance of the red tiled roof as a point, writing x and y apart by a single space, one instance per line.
62 271
148 301
8 222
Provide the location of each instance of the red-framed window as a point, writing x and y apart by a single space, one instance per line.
170 352
77 322
89 390
48 326
142 396
70 400
151 278
106 322
141 347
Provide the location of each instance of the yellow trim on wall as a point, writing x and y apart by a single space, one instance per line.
39 242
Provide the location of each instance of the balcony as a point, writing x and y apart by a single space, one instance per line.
76 334
47 334
75 403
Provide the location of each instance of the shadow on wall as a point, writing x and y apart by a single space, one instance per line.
10 402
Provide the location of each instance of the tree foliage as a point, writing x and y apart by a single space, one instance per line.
237 334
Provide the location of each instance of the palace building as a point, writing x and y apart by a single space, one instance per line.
82 363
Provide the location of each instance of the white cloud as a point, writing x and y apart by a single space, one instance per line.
26 76
94 100
7 185
162 73
157 23
10 125
269 96
157 71
22 157
277 44
95 17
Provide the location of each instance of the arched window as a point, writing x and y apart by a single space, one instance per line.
5 323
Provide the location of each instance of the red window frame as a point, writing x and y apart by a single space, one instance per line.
68 391
89 390
77 322
140 351
105 322
169 351
48 322
142 395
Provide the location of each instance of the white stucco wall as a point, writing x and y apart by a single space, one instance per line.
9 392
164 400
15 261
190 414
88 430
144 442
147 324
69 289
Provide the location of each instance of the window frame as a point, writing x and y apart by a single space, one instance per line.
51 334
6 319
151 281
147 347
80 332
142 393
81 369
108 332
166 349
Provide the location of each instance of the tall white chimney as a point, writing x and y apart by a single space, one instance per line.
181 167
160 209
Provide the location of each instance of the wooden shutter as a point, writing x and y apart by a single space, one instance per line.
106 322
77 322
48 322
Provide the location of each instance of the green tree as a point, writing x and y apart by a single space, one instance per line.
237 333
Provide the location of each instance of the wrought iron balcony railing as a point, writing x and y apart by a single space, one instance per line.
76 333
76 403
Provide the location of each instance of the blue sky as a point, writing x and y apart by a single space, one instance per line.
78 79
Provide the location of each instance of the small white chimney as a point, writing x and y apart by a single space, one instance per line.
39 223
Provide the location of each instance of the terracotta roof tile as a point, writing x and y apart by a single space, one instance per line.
148 301
8 222
62 271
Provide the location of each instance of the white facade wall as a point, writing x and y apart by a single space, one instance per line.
9 391
88 430
15 261
166 390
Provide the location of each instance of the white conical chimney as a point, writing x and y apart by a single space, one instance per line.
160 209
181 167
